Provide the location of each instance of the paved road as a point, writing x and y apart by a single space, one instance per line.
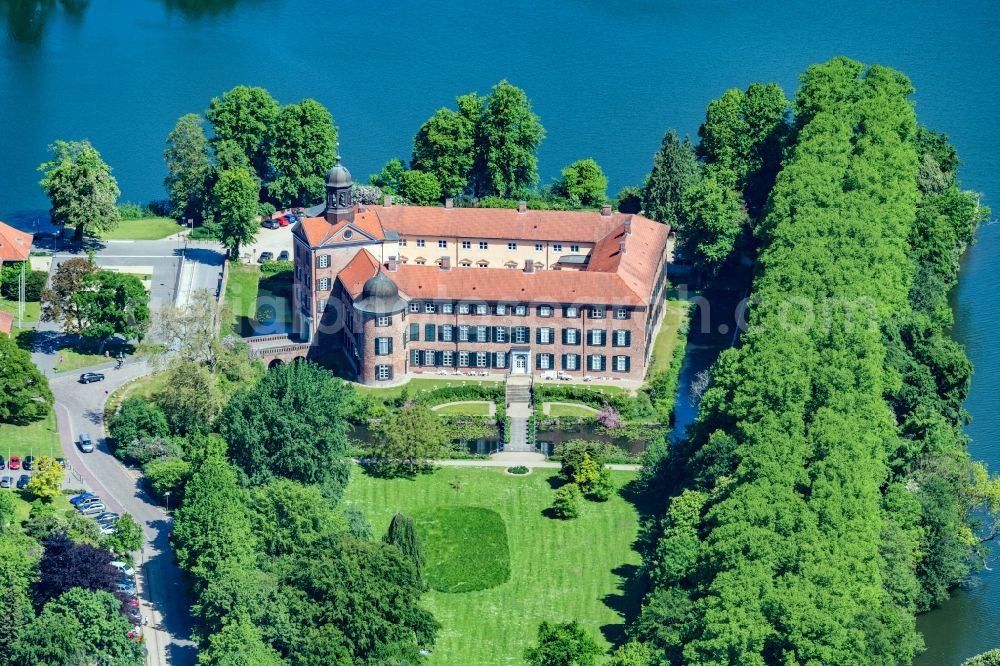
80 408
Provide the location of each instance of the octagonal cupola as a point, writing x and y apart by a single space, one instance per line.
339 203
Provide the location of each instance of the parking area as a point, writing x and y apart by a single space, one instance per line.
274 241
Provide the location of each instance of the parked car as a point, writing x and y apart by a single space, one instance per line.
15 462
6 482
29 463
3 463
106 516
89 377
93 499
126 586
124 567
133 613
62 462
265 256
22 481
107 528
283 255
270 224
86 444
76 499
94 509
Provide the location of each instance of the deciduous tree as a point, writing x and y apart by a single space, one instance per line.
66 565
444 147
584 183
246 115
111 303
507 137
24 391
189 168
419 188
83 192
713 219
564 644
407 440
137 418
304 148
126 537
58 303
46 478
236 194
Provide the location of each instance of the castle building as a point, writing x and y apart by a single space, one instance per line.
402 290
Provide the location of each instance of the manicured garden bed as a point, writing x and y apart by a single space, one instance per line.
557 410
465 548
560 570
465 409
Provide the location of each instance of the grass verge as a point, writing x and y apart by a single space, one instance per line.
578 569
36 438
32 309
674 315
465 548
146 228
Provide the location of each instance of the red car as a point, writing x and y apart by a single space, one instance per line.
285 220
15 462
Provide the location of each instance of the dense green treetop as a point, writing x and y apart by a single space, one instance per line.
584 183
304 148
24 391
235 197
444 147
245 115
566 644
111 303
508 136
675 169
189 167
79 184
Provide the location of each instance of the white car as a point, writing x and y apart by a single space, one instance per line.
124 567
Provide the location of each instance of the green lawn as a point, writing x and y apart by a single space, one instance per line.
571 410
143 387
559 570
674 315
465 548
468 409
417 385
147 228
38 438
31 309
74 360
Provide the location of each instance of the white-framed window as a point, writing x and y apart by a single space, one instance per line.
463 333
595 362
595 336
324 261
482 309
545 311
445 333
383 346
420 242
571 362
442 243
545 336
545 361
500 333
501 309
574 248
321 305
621 313
466 245
511 246
323 284
383 372
482 334
382 321
571 311
597 312
481 360
463 308
557 247
414 306
499 360
447 358
520 310
621 338
621 364
463 359
572 336
429 308
447 308
429 357
402 242
521 334
483 245
539 247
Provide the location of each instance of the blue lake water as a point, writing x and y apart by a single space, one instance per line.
606 78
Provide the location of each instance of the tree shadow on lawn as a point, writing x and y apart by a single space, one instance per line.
378 470
627 603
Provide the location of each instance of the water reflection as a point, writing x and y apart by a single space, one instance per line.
200 9
26 19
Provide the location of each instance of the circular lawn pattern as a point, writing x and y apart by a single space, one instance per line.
465 548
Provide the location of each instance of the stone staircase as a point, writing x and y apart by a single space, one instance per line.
518 398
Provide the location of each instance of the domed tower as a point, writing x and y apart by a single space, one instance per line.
339 204
381 311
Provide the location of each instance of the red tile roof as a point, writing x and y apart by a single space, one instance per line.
359 270
541 225
6 322
15 245
644 249
317 231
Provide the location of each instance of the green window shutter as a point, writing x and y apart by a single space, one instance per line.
429 332
604 362
414 332
415 357
538 361
390 372
628 364
628 338
563 361
538 336
390 345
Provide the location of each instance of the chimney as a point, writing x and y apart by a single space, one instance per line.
390 265
446 263
628 227
449 203
522 207
621 247
606 210
387 201
529 266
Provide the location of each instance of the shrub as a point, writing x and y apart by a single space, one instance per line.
563 644
567 500
10 278
991 658
147 449
167 475
518 469
269 268
609 417
578 453
358 525
137 418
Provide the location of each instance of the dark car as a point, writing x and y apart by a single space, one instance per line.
3 463
76 499
29 463
270 224
15 462
62 462
6 481
265 256
23 481
283 255
89 377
